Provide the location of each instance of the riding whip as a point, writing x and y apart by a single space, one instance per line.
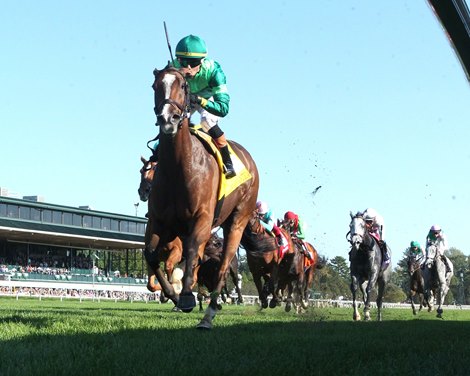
168 42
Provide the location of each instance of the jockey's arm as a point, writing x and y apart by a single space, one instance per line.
217 105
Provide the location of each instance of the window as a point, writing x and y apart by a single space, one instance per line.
25 212
124 226
96 222
114 225
77 220
133 227
106 223
3 210
56 217
68 219
141 228
35 214
13 211
87 221
47 216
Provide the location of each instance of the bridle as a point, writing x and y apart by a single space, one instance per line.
184 107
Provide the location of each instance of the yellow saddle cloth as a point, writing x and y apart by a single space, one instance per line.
226 186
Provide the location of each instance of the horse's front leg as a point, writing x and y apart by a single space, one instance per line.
354 286
411 296
187 301
366 289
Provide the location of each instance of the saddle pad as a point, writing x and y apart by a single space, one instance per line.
226 186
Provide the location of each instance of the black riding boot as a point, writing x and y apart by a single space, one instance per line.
229 170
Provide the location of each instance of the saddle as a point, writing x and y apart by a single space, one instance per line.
226 186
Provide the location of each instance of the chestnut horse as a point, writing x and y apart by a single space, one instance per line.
311 264
291 271
262 254
185 192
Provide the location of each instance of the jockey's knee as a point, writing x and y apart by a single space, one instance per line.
218 136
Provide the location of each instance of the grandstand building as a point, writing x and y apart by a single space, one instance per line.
35 233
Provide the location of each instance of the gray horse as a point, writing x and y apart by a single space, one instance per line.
436 278
366 267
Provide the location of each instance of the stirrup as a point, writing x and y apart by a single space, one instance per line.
229 171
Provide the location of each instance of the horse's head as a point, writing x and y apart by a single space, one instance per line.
431 255
254 225
357 230
171 99
147 173
413 263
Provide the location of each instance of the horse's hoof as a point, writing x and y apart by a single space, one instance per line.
288 307
176 309
272 303
304 304
414 313
219 307
186 303
204 325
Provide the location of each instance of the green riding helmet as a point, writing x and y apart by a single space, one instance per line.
414 244
191 47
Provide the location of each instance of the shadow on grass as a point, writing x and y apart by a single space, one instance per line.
319 347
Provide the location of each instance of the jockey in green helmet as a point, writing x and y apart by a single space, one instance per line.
208 91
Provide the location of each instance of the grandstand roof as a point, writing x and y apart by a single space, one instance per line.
23 221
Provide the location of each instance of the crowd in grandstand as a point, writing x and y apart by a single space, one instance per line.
78 294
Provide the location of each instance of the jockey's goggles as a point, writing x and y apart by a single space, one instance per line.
189 62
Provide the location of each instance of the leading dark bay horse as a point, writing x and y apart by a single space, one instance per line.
366 271
416 289
262 254
185 192
436 278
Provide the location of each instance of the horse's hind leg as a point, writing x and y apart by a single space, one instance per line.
411 296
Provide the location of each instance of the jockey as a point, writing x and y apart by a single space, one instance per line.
296 225
376 227
208 92
437 237
416 251
209 95
265 216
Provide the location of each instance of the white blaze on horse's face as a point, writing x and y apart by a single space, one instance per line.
357 232
169 126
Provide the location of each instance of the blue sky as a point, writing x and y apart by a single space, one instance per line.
365 99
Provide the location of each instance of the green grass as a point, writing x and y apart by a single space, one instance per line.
50 337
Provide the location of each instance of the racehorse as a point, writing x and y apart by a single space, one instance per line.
208 271
310 265
416 282
185 192
366 271
291 272
262 254
172 253
436 278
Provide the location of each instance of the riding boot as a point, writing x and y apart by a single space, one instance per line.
229 170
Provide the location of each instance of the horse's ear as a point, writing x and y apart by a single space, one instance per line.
155 72
144 161
351 214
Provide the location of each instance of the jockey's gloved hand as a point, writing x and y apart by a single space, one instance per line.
194 99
